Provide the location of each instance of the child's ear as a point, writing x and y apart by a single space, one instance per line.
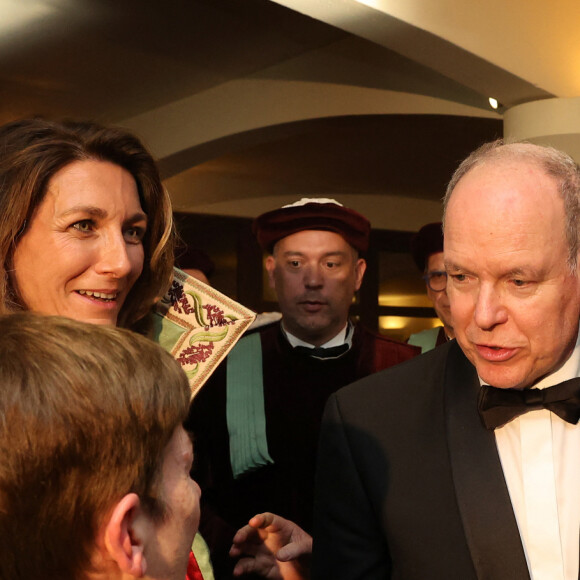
124 536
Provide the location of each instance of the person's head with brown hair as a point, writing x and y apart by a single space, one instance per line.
85 224
94 478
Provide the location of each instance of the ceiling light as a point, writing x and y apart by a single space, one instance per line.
493 103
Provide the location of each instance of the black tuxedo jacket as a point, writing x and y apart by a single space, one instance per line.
409 482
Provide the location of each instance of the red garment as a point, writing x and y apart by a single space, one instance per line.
193 571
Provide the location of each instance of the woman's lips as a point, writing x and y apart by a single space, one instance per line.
99 294
495 353
107 299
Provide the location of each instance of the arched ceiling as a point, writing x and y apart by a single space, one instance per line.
249 102
369 162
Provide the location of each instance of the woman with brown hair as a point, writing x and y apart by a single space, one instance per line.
85 225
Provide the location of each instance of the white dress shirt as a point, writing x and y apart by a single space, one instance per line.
540 457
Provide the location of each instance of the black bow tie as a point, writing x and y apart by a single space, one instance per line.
318 352
499 406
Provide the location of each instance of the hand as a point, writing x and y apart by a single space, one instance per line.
272 547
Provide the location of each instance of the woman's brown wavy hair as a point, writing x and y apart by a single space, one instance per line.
33 150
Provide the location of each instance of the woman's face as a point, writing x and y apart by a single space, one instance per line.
83 250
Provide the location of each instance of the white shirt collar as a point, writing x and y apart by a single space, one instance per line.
339 339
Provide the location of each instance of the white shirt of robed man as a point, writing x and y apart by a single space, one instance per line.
338 340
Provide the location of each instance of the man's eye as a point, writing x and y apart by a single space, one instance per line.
519 283
83 226
459 277
294 263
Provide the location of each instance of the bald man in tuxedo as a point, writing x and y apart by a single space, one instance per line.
425 471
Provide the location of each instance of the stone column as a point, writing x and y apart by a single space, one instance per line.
554 122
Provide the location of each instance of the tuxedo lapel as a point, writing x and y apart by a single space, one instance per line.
486 511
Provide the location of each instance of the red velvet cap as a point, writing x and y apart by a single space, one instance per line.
427 241
324 214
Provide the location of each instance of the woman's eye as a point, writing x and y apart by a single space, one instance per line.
83 226
134 234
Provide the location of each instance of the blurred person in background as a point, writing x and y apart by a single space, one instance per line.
427 252
195 263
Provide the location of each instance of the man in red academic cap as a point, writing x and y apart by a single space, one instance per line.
257 420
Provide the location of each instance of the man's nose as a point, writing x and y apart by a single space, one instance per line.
489 308
313 277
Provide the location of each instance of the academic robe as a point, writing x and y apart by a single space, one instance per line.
409 482
296 388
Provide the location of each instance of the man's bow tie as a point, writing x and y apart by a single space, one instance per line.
318 352
499 406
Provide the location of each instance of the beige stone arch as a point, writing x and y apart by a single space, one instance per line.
243 105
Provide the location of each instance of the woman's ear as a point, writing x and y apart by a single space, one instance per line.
123 537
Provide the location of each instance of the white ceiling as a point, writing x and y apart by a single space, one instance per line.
247 103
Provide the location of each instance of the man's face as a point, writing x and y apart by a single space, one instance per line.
315 274
514 300
167 555
439 299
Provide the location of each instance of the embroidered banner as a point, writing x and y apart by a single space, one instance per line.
199 326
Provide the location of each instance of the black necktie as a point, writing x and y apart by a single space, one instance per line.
499 406
318 352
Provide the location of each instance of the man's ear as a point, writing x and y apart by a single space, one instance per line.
359 271
270 267
123 538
